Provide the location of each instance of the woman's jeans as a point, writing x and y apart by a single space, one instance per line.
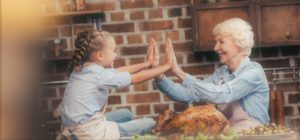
127 126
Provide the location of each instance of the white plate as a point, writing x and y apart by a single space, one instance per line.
271 137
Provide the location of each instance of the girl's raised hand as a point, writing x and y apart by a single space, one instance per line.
150 53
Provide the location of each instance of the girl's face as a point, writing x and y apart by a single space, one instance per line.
226 48
109 54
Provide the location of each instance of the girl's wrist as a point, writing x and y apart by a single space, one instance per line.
177 70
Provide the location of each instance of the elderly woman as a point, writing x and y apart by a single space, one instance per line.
239 87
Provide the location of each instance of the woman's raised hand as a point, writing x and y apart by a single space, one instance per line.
175 68
169 53
156 55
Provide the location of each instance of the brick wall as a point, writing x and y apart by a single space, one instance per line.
133 24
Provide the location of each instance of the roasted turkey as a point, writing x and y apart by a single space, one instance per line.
205 119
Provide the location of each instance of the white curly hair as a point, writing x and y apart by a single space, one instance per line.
240 31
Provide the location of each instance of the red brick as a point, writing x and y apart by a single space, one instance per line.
297 62
119 39
103 6
274 63
173 35
288 86
143 98
288 111
119 63
66 31
55 103
141 87
194 58
49 92
157 36
134 39
129 4
204 69
166 98
179 107
294 98
118 28
142 109
125 89
159 108
188 34
185 23
136 60
294 123
78 29
156 13
189 10
117 16
174 12
134 50
173 2
50 32
156 25
116 99
180 47
137 15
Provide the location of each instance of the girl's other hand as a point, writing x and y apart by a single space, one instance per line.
150 53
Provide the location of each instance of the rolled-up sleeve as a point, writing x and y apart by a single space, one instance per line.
175 91
196 90
110 78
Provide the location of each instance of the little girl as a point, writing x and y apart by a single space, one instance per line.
92 76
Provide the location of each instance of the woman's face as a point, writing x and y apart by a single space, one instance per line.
226 48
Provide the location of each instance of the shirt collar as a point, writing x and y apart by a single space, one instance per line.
91 66
243 64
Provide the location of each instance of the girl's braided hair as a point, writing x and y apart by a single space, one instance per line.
86 43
